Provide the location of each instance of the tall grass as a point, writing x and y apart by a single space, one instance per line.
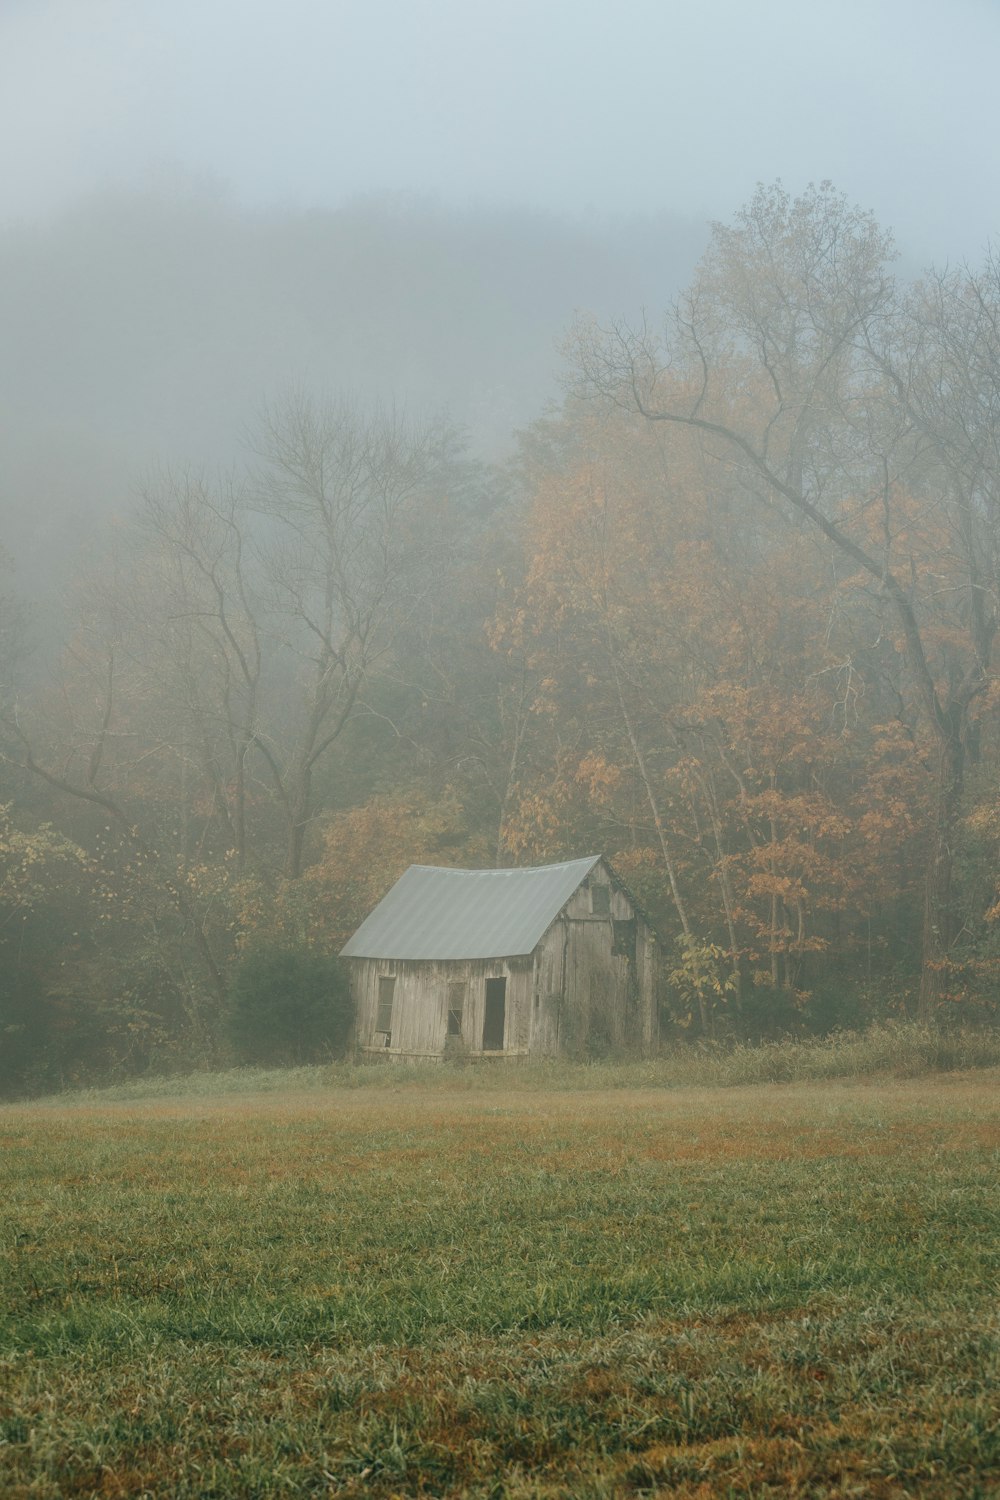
901 1049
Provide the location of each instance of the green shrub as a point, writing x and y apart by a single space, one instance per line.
836 1006
290 1007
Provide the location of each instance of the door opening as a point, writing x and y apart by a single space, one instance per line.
495 1018
383 1017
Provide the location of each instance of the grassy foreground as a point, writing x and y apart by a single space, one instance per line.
449 1289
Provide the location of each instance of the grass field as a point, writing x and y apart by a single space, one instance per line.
453 1286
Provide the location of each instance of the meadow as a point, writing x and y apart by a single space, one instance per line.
528 1283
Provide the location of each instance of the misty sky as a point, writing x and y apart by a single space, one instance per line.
576 105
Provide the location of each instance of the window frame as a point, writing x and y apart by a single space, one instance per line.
456 988
600 900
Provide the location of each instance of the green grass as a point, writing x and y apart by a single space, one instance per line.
474 1284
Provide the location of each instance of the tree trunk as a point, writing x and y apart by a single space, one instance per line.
704 1009
298 822
938 915
706 781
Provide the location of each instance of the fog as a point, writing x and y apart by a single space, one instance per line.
644 106
206 203
144 328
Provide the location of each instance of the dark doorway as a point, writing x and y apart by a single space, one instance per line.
383 1019
496 1015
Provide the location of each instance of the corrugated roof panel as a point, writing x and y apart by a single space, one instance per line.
433 913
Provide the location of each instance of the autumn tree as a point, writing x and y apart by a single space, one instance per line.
704 704
807 377
96 742
42 874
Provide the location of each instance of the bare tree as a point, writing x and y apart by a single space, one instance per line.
349 500
207 639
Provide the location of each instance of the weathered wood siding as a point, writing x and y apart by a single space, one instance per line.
421 999
586 997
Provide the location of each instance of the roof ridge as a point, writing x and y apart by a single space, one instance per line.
561 864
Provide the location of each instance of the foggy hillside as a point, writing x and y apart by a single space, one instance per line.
148 327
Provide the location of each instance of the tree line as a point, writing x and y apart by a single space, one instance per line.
728 616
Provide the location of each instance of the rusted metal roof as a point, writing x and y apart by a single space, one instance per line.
433 913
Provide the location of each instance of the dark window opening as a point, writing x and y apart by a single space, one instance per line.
383 1016
495 1017
623 940
456 1005
600 901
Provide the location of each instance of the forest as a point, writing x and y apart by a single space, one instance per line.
727 615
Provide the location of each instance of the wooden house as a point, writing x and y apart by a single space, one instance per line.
556 960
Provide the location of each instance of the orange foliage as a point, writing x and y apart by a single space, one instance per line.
672 622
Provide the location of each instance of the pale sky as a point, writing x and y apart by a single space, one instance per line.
582 106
